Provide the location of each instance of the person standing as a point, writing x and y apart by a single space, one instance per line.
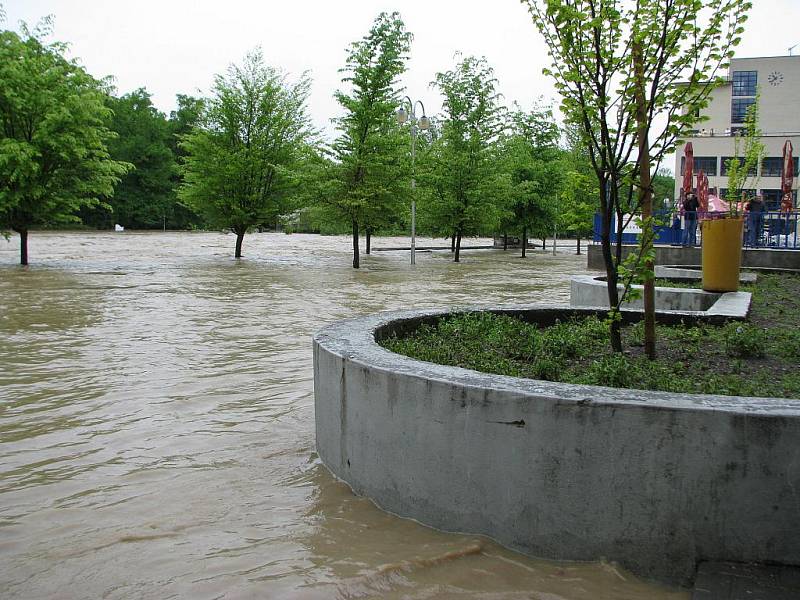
755 221
690 206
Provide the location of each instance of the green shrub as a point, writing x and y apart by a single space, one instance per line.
744 340
788 343
636 334
613 370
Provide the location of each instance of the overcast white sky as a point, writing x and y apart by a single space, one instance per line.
176 46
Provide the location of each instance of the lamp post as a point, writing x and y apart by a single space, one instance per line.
423 123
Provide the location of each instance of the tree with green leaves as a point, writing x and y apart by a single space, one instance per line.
241 160
462 176
748 151
186 116
54 135
145 198
183 119
579 192
532 160
632 74
371 152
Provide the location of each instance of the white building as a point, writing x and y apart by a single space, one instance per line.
778 80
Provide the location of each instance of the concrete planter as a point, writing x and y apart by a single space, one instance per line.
588 291
652 480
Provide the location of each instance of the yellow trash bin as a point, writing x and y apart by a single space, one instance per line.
722 253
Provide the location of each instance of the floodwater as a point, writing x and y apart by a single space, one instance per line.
157 424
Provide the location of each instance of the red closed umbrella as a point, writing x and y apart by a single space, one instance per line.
702 190
787 179
688 168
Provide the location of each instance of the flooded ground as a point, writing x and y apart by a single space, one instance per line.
157 423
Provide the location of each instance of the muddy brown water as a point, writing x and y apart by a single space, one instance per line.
157 423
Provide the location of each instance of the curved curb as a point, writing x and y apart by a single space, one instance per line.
653 480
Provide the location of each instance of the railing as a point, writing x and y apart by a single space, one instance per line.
771 230
777 230
732 131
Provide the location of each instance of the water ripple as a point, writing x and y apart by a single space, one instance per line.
157 425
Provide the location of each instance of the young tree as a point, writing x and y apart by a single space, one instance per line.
748 151
371 150
240 160
632 74
463 177
53 135
533 162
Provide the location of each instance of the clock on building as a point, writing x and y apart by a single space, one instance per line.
775 78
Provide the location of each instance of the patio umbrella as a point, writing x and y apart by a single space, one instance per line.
688 168
787 178
702 191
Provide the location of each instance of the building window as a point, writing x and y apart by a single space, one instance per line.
707 163
739 108
745 83
724 166
772 166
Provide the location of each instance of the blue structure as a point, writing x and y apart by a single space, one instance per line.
666 232
776 230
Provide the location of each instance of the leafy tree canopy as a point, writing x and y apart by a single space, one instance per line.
241 160
619 65
533 162
54 135
461 173
369 180
146 195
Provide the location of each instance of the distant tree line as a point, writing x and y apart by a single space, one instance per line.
246 157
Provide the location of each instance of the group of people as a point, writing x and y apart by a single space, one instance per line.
755 220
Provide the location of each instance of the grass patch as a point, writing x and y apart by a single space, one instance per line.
753 358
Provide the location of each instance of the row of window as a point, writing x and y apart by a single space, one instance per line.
771 166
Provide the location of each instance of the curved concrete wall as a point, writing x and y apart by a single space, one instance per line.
653 480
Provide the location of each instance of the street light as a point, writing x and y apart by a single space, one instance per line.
423 123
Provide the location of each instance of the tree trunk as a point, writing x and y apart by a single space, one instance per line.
614 330
544 243
524 240
578 252
369 239
23 246
453 242
458 247
356 263
505 241
239 237
646 200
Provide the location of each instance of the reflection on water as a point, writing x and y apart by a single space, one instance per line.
156 423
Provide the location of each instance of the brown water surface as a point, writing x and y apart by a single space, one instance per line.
157 424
